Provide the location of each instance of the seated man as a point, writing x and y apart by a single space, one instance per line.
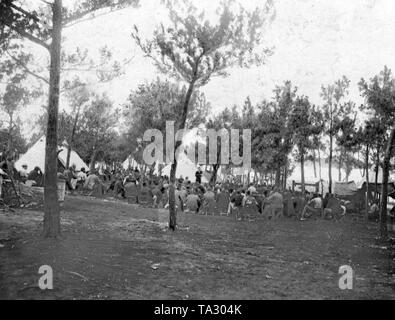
209 201
249 200
250 206
209 195
119 188
37 176
314 206
81 177
373 212
223 198
193 202
274 205
333 209
236 202
157 196
94 185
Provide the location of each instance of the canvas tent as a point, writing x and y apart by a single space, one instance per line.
185 168
345 188
130 162
35 157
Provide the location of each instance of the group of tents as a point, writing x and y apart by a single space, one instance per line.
35 157
185 168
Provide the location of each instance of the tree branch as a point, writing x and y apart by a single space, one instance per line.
82 17
27 35
26 68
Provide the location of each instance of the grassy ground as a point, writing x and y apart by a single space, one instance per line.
112 250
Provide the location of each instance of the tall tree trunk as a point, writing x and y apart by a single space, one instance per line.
11 124
51 205
384 193
285 176
340 166
93 161
302 172
213 178
172 204
330 161
348 172
319 164
314 165
278 175
172 198
71 142
376 191
367 182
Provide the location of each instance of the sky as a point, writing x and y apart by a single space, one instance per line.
315 42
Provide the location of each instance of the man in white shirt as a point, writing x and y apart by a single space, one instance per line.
251 189
313 206
81 175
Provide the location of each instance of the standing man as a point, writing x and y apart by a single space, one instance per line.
198 175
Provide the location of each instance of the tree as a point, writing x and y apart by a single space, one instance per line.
345 134
272 137
16 22
227 119
97 129
318 121
194 50
78 96
15 96
379 94
154 103
332 95
304 129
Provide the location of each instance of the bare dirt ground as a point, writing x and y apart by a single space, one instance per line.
113 250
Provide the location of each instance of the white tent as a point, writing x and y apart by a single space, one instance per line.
130 162
35 157
356 175
185 168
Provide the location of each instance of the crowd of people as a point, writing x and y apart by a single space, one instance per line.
225 198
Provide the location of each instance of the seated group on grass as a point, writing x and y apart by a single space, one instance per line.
196 197
328 208
225 198
222 198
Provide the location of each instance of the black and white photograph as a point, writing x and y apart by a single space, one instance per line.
197 154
